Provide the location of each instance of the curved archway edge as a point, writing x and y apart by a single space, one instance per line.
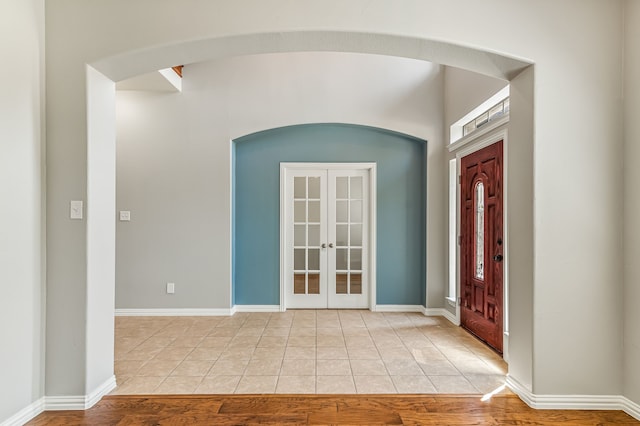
129 64
395 133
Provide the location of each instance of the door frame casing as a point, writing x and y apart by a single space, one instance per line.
371 256
485 140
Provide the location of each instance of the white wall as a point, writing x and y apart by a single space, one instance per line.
578 151
101 250
21 218
575 45
174 150
520 230
464 91
632 202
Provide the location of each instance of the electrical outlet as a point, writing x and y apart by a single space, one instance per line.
171 288
75 209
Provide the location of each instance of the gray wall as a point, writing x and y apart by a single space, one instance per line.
465 90
632 203
173 157
22 214
167 180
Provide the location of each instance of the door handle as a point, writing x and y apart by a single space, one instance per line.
498 258
330 245
323 245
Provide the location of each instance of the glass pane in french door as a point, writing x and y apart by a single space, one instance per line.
348 231
306 235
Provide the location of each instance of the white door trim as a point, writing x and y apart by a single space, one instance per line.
371 264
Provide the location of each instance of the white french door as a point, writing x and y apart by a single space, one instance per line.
326 214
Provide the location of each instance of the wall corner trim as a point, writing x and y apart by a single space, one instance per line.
441 312
178 312
95 396
631 408
573 402
79 402
26 414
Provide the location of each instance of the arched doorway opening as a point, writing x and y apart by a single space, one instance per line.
125 65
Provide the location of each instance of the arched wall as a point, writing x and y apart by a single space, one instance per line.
554 251
401 166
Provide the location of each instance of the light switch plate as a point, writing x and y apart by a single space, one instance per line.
75 210
171 288
125 215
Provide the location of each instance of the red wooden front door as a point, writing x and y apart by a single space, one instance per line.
482 244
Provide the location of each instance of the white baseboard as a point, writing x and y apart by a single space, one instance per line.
26 414
80 402
256 308
95 396
574 402
430 312
179 312
441 312
194 312
631 408
398 308
57 403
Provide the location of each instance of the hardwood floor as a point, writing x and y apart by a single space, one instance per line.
323 409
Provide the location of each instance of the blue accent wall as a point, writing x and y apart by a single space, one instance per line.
401 173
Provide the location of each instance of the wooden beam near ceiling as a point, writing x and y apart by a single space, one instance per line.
178 70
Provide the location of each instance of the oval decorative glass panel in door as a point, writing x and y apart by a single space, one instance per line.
479 231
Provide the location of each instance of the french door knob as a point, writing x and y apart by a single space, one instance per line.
498 258
330 245
323 245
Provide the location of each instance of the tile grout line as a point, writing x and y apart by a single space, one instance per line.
413 357
381 358
369 323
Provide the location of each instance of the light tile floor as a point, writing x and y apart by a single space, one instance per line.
302 351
